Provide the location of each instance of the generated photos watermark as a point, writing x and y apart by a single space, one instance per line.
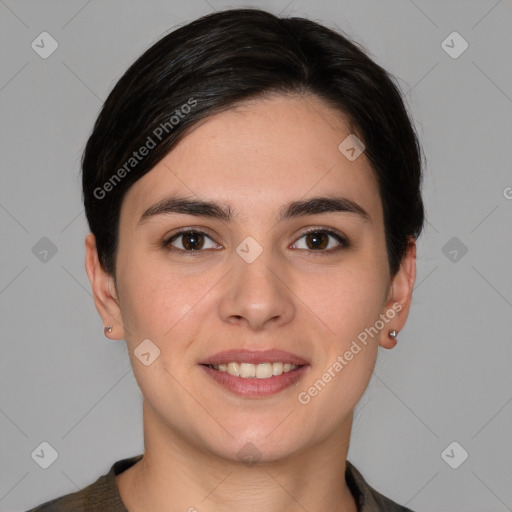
343 360
152 141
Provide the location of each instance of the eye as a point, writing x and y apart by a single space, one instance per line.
321 240
190 240
314 240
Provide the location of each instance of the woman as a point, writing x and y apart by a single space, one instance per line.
252 186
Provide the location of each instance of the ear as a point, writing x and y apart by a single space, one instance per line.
399 296
104 290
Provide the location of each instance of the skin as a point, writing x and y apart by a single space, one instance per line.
256 158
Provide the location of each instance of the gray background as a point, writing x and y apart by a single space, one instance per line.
448 379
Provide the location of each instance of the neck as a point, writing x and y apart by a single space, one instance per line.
179 474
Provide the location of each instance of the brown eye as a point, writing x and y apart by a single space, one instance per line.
321 240
317 240
190 241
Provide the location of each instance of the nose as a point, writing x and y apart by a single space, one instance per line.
258 293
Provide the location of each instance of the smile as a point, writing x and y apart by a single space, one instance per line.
258 371
253 380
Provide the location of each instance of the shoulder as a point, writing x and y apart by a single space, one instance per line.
75 502
100 496
367 498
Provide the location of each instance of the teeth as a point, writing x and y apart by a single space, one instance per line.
260 371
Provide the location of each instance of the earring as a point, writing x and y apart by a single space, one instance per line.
393 334
107 329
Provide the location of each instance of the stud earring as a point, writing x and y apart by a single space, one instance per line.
393 334
108 329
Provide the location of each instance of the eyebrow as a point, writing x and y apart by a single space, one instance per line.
224 212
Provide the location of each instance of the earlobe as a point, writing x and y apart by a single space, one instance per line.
399 298
104 291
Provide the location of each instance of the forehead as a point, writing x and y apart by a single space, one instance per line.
259 155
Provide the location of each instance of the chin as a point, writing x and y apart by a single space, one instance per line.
256 447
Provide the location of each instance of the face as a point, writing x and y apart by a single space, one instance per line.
255 272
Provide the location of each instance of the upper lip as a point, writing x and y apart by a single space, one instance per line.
254 357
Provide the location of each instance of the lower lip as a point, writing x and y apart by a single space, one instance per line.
253 387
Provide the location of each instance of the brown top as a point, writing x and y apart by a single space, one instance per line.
103 495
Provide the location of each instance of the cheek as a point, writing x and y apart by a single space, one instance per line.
153 301
344 300
159 306
345 305
141 284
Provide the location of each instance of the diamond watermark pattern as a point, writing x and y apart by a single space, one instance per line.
249 249
146 352
249 454
44 45
454 455
45 455
351 147
44 250
454 45
454 249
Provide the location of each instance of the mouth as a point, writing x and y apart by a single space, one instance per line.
259 371
254 357
254 374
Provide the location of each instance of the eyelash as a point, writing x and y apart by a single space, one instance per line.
344 243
